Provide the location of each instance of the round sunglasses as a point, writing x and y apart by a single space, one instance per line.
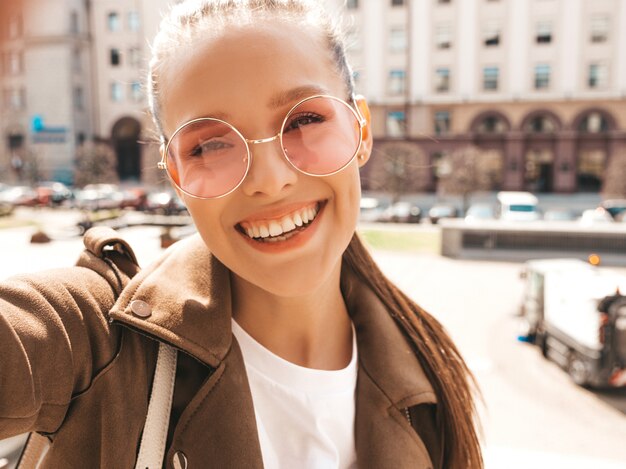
209 158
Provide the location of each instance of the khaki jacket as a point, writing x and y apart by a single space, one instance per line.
78 350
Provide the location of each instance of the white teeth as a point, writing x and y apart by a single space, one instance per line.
288 224
297 219
275 229
272 230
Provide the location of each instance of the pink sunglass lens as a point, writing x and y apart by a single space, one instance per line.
207 158
321 136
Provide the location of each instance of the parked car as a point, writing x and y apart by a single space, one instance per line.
595 216
576 313
560 214
402 212
372 209
52 193
517 206
439 211
615 207
19 196
478 212
134 198
99 197
164 202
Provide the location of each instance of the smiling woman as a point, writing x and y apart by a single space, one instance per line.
298 352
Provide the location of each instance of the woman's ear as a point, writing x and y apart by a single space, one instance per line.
366 145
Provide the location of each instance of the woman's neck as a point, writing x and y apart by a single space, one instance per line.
312 330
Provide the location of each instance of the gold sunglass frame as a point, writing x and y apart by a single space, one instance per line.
354 109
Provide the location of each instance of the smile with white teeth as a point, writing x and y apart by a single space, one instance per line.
281 229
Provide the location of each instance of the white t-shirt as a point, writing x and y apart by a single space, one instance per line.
305 417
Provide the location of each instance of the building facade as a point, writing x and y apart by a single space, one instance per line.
540 84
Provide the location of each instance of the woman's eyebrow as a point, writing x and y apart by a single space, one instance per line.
295 94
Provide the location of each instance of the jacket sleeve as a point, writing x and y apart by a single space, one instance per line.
54 339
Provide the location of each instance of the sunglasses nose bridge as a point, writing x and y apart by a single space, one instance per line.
262 140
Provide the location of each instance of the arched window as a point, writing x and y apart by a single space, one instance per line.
593 123
492 125
541 124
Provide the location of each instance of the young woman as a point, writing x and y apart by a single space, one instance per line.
293 349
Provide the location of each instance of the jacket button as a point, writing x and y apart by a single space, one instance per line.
180 460
141 309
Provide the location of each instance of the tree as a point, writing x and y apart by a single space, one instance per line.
614 186
398 168
469 170
95 163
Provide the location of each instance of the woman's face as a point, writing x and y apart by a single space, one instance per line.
251 76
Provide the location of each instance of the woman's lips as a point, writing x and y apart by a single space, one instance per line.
286 240
265 229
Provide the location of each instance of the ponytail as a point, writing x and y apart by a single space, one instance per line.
450 377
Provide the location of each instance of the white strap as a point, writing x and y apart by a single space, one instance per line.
152 448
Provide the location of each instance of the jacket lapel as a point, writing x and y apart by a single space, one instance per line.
188 293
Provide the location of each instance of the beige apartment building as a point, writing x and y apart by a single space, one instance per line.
72 70
538 85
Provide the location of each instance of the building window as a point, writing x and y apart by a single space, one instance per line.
15 26
396 124
597 76
134 57
442 80
442 122
491 125
594 123
352 4
491 35
134 22
74 26
544 32
113 22
397 39
116 92
77 64
443 36
540 125
599 28
396 81
136 92
79 99
397 3
13 63
490 78
542 77
14 99
116 58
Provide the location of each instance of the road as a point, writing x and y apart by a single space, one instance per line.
533 416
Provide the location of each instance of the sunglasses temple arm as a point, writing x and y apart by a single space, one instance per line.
362 120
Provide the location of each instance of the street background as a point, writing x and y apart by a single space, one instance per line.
533 415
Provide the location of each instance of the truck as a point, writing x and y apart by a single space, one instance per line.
575 312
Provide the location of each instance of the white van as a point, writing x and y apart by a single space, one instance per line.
517 206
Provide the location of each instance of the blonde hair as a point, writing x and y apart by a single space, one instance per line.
456 416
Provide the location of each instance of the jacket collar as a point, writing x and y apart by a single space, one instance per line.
189 298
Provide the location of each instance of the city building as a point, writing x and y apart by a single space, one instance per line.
538 85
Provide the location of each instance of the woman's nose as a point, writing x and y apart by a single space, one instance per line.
270 172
